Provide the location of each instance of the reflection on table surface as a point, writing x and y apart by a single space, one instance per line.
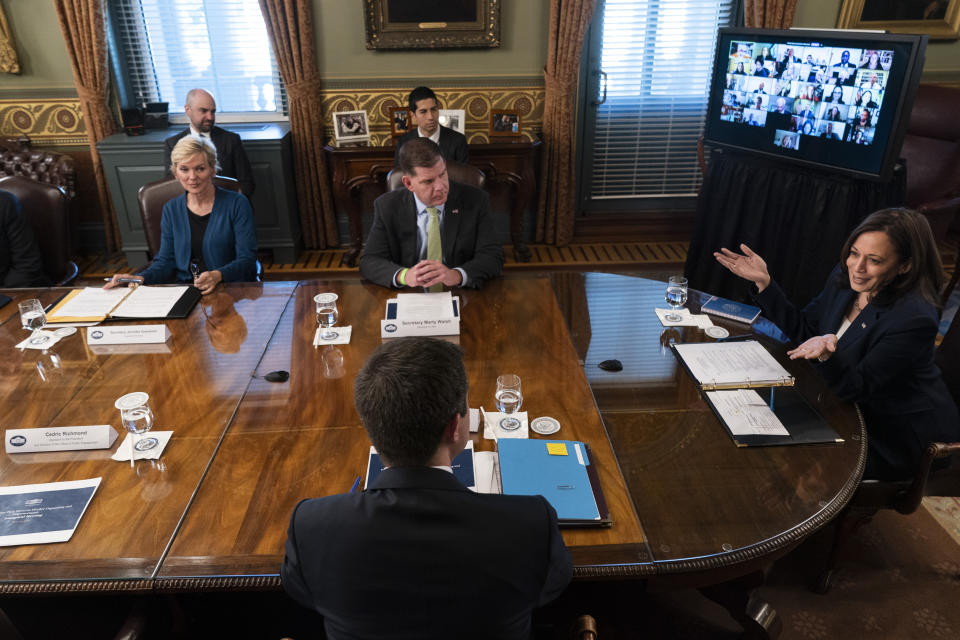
214 509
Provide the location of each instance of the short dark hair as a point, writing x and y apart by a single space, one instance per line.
421 93
913 242
419 152
406 393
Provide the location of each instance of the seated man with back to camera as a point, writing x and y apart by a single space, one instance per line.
20 261
208 234
201 110
417 554
425 114
400 252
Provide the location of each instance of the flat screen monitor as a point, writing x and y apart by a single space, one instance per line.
836 100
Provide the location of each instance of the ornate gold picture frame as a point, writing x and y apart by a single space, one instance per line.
407 24
940 19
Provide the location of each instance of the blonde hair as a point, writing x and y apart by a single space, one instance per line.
191 145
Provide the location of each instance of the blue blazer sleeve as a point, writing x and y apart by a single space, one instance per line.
231 239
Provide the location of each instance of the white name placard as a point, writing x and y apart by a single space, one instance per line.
420 327
129 334
94 436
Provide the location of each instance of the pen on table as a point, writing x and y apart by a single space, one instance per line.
123 280
742 336
54 303
356 483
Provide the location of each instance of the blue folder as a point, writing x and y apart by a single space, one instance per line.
462 467
568 481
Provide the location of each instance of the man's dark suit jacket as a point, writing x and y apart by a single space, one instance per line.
20 261
884 362
453 145
420 556
230 154
469 240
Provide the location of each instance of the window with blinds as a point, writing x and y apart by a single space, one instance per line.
653 65
164 49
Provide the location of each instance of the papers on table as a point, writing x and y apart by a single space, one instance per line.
745 413
424 306
728 365
149 302
90 303
487 469
43 513
687 319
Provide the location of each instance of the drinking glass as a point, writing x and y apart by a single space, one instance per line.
676 296
327 314
137 418
33 318
509 398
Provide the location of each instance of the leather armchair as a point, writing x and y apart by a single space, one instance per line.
45 206
456 171
17 158
152 196
931 148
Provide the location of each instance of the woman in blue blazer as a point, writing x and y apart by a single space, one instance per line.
871 333
207 233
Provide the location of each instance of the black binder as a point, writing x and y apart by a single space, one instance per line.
188 300
805 425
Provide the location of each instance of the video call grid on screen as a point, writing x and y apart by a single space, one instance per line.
833 93
832 100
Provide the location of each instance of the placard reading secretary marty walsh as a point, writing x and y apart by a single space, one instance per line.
433 232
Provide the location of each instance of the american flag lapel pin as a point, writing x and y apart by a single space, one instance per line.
455 211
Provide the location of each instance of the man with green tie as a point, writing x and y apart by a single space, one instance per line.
433 233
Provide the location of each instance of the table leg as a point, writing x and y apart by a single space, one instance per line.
739 598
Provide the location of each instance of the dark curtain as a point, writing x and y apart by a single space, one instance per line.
290 25
557 207
769 14
84 27
796 219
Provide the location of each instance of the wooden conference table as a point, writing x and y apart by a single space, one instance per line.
212 513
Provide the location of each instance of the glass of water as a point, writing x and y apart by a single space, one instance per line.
676 296
137 418
509 398
327 314
33 318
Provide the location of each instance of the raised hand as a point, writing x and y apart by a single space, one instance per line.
819 347
747 265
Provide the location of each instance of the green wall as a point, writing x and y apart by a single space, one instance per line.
943 57
342 52
44 65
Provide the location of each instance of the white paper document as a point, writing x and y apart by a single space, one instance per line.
687 319
91 302
486 466
43 513
732 364
746 414
149 302
420 306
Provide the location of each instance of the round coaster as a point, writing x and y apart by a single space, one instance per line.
716 332
63 332
131 400
321 298
545 425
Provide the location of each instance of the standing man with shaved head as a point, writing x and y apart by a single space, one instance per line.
201 110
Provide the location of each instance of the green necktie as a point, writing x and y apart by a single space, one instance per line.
434 248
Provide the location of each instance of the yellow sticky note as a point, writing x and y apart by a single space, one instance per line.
557 448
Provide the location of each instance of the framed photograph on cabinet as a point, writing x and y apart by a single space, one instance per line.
504 123
351 126
399 121
453 119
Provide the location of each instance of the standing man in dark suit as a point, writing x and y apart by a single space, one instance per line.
202 111
417 554
425 113
398 248
20 261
